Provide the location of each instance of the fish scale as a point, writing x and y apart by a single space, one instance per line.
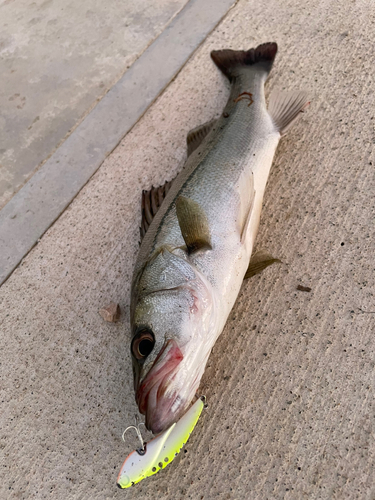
196 251
220 161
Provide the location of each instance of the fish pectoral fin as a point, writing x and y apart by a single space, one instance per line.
193 224
286 107
151 202
259 261
196 136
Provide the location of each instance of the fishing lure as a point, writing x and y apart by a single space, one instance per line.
160 451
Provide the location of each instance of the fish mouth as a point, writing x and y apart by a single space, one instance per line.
155 396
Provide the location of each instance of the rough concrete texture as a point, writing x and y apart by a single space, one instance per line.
290 382
57 59
32 210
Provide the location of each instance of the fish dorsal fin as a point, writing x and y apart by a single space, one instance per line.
193 224
196 136
151 202
259 261
286 107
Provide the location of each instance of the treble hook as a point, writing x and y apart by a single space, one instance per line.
203 399
142 449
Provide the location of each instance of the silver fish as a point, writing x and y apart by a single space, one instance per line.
198 235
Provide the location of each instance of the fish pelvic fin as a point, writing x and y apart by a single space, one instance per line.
193 224
231 62
286 107
258 262
197 135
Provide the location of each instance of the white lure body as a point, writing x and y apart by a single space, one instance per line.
161 450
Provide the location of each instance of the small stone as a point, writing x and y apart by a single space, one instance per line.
110 313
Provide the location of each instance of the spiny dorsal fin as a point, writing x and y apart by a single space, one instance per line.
259 261
193 224
231 62
151 202
286 107
195 137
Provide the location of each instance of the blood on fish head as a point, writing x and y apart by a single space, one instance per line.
161 410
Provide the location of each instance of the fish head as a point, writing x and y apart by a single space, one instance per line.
172 339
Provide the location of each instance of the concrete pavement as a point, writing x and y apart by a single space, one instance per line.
32 210
58 59
290 382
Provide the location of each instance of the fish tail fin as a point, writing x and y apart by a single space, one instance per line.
286 107
231 62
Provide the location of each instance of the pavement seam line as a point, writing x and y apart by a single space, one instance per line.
40 202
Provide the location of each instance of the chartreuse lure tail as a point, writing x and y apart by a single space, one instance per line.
161 450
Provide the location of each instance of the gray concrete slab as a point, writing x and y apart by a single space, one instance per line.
57 59
38 204
290 382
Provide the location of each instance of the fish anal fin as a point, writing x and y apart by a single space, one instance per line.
193 224
196 136
286 107
258 262
151 202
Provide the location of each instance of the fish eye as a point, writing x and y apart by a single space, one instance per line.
142 344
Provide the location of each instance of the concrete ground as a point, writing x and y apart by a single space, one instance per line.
58 59
290 382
